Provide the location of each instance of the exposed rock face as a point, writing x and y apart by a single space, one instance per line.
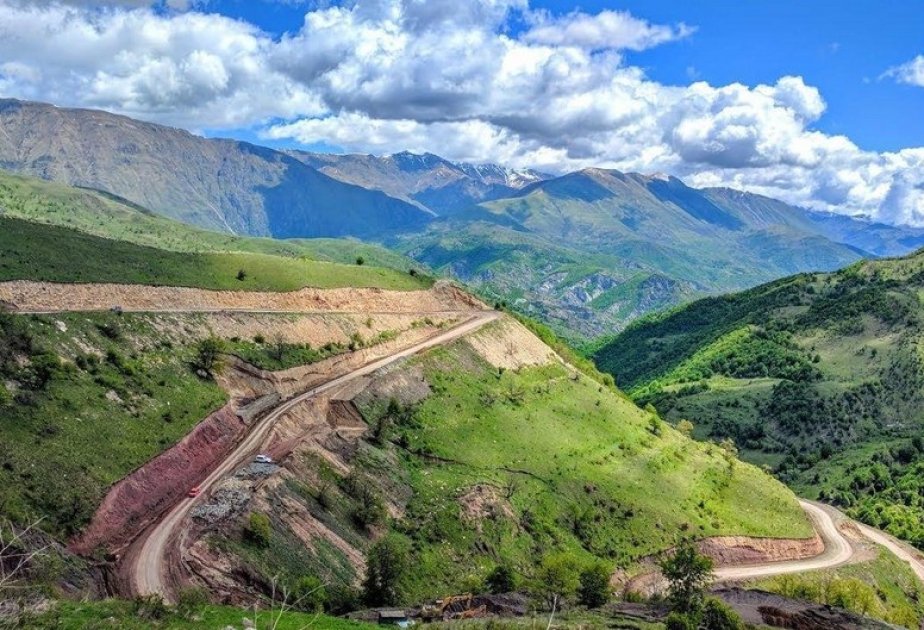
737 550
219 184
140 498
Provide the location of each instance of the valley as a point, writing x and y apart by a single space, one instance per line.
422 427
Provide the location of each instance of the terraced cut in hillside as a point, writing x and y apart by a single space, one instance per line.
485 450
818 376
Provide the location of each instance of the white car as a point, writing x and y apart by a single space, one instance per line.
263 459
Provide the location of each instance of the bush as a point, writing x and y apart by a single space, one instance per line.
191 600
208 355
717 615
309 594
150 607
241 274
501 580
558 576
360 260
258 530
343 599
387 563
679 621
594 590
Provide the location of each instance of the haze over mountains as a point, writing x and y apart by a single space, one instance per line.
587 251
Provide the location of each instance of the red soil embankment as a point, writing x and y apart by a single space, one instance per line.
139 499
738 550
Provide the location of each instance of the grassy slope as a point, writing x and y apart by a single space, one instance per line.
299 262
137 399
33 251
582 469
114 613
568 464
883 587
818 376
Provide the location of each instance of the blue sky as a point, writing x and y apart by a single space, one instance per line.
816 103
843 48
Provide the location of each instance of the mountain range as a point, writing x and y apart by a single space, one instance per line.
587 251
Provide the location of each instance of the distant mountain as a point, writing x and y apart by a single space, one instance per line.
819 376
587 251
218 184
592 250
426 180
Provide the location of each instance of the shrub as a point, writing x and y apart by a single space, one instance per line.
387 563
501 580
360 260
558 576
309 594
208 355
679 621
717 615
241 275
342 599
258 530
685 427
594 590
191 600
150 607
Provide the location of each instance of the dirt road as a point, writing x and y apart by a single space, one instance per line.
837 551
147 566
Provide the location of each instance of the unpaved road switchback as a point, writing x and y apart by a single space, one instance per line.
146 564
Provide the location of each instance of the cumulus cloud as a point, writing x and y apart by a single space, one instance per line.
481 80
607 29
910 73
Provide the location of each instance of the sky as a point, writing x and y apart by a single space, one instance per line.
819 103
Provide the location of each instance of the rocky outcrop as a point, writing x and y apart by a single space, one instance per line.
738 550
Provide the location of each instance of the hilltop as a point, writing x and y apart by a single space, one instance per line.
817 376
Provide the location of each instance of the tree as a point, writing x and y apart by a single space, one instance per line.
501 580
558 575
685 427
688 573
208 355
387 563
258 530
679 621
360 260
594 590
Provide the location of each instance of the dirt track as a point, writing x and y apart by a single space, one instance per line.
146 562
47 297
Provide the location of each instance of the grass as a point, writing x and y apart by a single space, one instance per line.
124 615
574 467
818 376
120 393
108 216
40 252
884 588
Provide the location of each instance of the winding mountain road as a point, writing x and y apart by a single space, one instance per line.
838 551
147 563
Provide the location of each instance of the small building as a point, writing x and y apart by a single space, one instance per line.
395 618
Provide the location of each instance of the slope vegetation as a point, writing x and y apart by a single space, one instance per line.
487 451
818 375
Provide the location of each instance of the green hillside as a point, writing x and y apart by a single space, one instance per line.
104 215
591 251
820 376
511 467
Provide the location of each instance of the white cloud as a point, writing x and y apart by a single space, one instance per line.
453 78
607 29
910 73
